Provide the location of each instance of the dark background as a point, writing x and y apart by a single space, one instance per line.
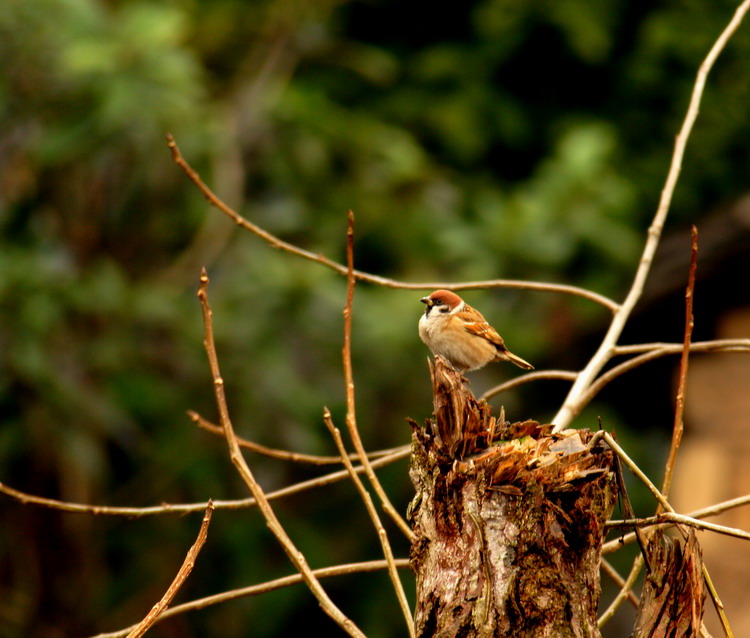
473 141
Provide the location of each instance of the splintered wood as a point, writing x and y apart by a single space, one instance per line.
508 521
673 594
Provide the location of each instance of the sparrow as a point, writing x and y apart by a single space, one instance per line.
457 332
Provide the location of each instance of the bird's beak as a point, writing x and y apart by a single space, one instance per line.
426 300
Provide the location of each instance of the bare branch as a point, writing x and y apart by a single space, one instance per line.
262 588
539 375
351 418
235 453
382 535
648 352
190 508
715 345
677 428
705 512
674 518
182 574
665 505
625 591
619 581
658 351
284 455
574 401
637 471
718 605
386 282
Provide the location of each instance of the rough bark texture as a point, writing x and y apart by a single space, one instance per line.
508 521
673 595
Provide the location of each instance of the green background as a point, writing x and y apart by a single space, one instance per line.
477 140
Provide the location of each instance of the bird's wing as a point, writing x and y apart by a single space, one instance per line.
485 331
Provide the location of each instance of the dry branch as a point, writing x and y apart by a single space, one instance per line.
297 558
286 455
377 524
705 512
577 398
624 593
191 508
673 518
180 578
262 588
351 417
386 282
678 426
610 571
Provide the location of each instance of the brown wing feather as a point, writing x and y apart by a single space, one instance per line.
486 331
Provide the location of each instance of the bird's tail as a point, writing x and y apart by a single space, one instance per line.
509 356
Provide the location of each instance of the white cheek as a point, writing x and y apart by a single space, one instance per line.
427 326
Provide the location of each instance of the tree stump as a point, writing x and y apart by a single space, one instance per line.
508 521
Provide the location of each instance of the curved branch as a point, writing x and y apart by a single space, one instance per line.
187 567
280 244
286 455
712 510
681 519
647 351
575 399
262 588
661 350
296 557
539 375
715 345
192 508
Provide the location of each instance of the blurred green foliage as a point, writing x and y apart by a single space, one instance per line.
474 141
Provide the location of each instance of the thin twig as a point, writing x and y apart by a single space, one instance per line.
191 508
539 375
372 511
351 418
647 351
386 282
619 581
180 578
674 518
678 426
625 591
666 506
637 471
657 351
715 345
262 588
712 510
628 507
573 402
295 555
285 455
718 605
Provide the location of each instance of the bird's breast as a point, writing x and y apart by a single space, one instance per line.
447 337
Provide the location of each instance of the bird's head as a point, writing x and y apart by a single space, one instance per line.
442 302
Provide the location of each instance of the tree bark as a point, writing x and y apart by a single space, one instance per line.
508 521
673 595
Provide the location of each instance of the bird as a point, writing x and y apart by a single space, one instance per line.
457 332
